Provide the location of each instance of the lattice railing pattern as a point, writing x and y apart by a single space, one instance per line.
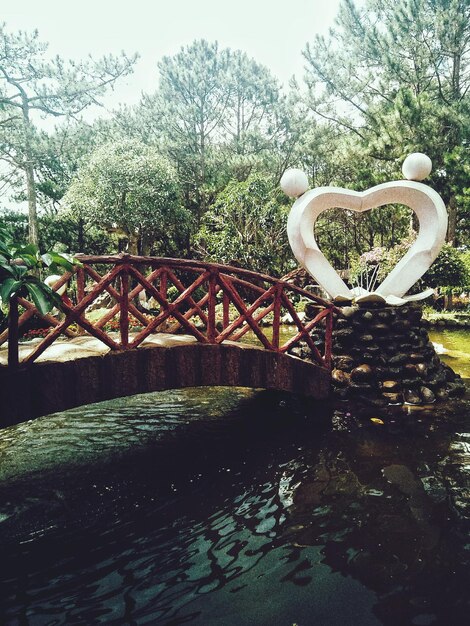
212 302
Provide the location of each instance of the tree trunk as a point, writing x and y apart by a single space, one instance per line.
28 167
202 171
448 301
33 235
451 227
81 235
413 227
133 245
13 358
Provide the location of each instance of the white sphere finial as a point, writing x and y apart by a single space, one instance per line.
416 166
294 182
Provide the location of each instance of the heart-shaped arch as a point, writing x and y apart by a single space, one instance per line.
424 201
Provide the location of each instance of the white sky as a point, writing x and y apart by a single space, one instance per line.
273 32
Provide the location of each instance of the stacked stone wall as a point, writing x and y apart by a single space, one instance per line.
384 356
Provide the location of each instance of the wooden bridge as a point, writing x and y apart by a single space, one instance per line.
205 324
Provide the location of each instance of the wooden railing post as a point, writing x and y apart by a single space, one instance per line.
164 284
80 284
80 291
124 306
277 316
226 310
13 334
211 328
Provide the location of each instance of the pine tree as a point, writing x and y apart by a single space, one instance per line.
31 85
396 76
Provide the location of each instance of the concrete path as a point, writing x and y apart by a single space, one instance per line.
65 349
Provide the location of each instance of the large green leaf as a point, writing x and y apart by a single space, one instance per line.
21 270
6 268
41 297
30 250
51 295
5 249
47 258
58 260
9 287
28 259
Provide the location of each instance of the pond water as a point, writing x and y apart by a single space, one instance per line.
453 346
234 507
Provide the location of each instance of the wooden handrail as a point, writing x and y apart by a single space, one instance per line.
200 288
189 264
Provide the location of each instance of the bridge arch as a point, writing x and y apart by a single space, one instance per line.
208 307
52 386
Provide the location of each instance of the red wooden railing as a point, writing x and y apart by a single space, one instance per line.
212 302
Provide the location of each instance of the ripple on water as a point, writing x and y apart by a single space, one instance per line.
158 510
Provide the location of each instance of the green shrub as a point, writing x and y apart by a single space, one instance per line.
448 270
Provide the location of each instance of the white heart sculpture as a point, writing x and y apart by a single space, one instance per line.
424 201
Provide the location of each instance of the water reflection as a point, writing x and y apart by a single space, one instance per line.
231 507
379 509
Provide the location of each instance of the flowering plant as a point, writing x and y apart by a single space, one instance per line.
372 257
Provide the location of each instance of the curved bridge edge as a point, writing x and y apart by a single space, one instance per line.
49 387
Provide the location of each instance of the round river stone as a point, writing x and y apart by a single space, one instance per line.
411 397
393 398
391 385
340 378
362 373
427 395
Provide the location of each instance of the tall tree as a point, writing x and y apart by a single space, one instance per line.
217 115
246 225
128 186
192 102
395 75
254 121
61 154
33 84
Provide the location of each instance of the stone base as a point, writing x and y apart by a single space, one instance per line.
383 355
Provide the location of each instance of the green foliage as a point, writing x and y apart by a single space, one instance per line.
218 115
176 172
59 232
465 256
128 187
392 256
61 154
31 83
449 269
14 225
65 233
345 235
394 75
19 269
247 226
